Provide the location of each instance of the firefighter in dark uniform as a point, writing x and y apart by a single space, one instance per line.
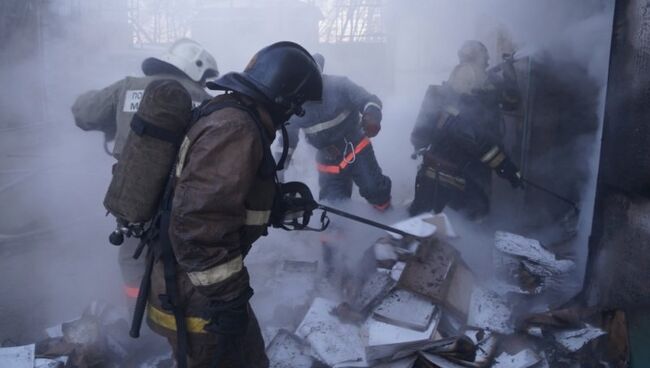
458 133
223 195
340 127
111 109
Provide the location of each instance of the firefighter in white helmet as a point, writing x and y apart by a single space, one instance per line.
111 109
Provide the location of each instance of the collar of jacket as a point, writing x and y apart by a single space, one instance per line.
264 115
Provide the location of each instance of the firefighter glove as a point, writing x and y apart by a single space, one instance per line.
507 170
371 121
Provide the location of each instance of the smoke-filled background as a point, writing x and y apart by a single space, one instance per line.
54 253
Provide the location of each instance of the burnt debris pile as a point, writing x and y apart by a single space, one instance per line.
421 305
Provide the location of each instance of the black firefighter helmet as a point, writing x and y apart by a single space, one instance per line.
283 75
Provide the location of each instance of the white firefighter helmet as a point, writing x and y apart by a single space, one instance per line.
470 75
474 52
186 55
468 78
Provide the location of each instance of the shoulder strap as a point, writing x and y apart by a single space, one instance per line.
142 127
268 166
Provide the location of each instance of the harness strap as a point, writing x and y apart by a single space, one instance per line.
142 127
347 160
285 148
170 300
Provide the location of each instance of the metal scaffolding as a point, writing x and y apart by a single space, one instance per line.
353 21
157 22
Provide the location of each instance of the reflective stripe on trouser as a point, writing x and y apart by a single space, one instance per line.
433 194
201 352
364 172
494 157
166 320
452 180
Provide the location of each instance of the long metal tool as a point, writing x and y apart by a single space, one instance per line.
366 221
553 194
141 301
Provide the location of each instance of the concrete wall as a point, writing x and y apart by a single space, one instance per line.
619 267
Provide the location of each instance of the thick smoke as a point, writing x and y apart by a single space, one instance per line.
54 176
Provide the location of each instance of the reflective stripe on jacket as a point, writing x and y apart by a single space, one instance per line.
220 207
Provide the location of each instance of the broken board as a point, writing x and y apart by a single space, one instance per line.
443 225
385 340
532 251
434 361
373 291
574 340
18 356
490 311
406 309
432 273
333 341
287 350
407 362
416 226
523 359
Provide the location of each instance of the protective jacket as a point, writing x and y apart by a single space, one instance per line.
461 145
221 205
336 117
111 109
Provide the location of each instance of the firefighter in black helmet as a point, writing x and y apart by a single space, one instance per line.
458 133
223 194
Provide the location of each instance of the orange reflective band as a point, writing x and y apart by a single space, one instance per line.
332 237
131 292
348 159
336 169
382 207
330 169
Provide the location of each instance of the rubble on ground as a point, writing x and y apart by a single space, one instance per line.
419 305
98 338
424 307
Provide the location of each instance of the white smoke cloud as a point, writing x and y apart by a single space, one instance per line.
76 264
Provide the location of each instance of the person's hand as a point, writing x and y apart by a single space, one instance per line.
509 171
371 121
515 181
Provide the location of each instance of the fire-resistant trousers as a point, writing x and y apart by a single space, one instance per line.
363 170
249 352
